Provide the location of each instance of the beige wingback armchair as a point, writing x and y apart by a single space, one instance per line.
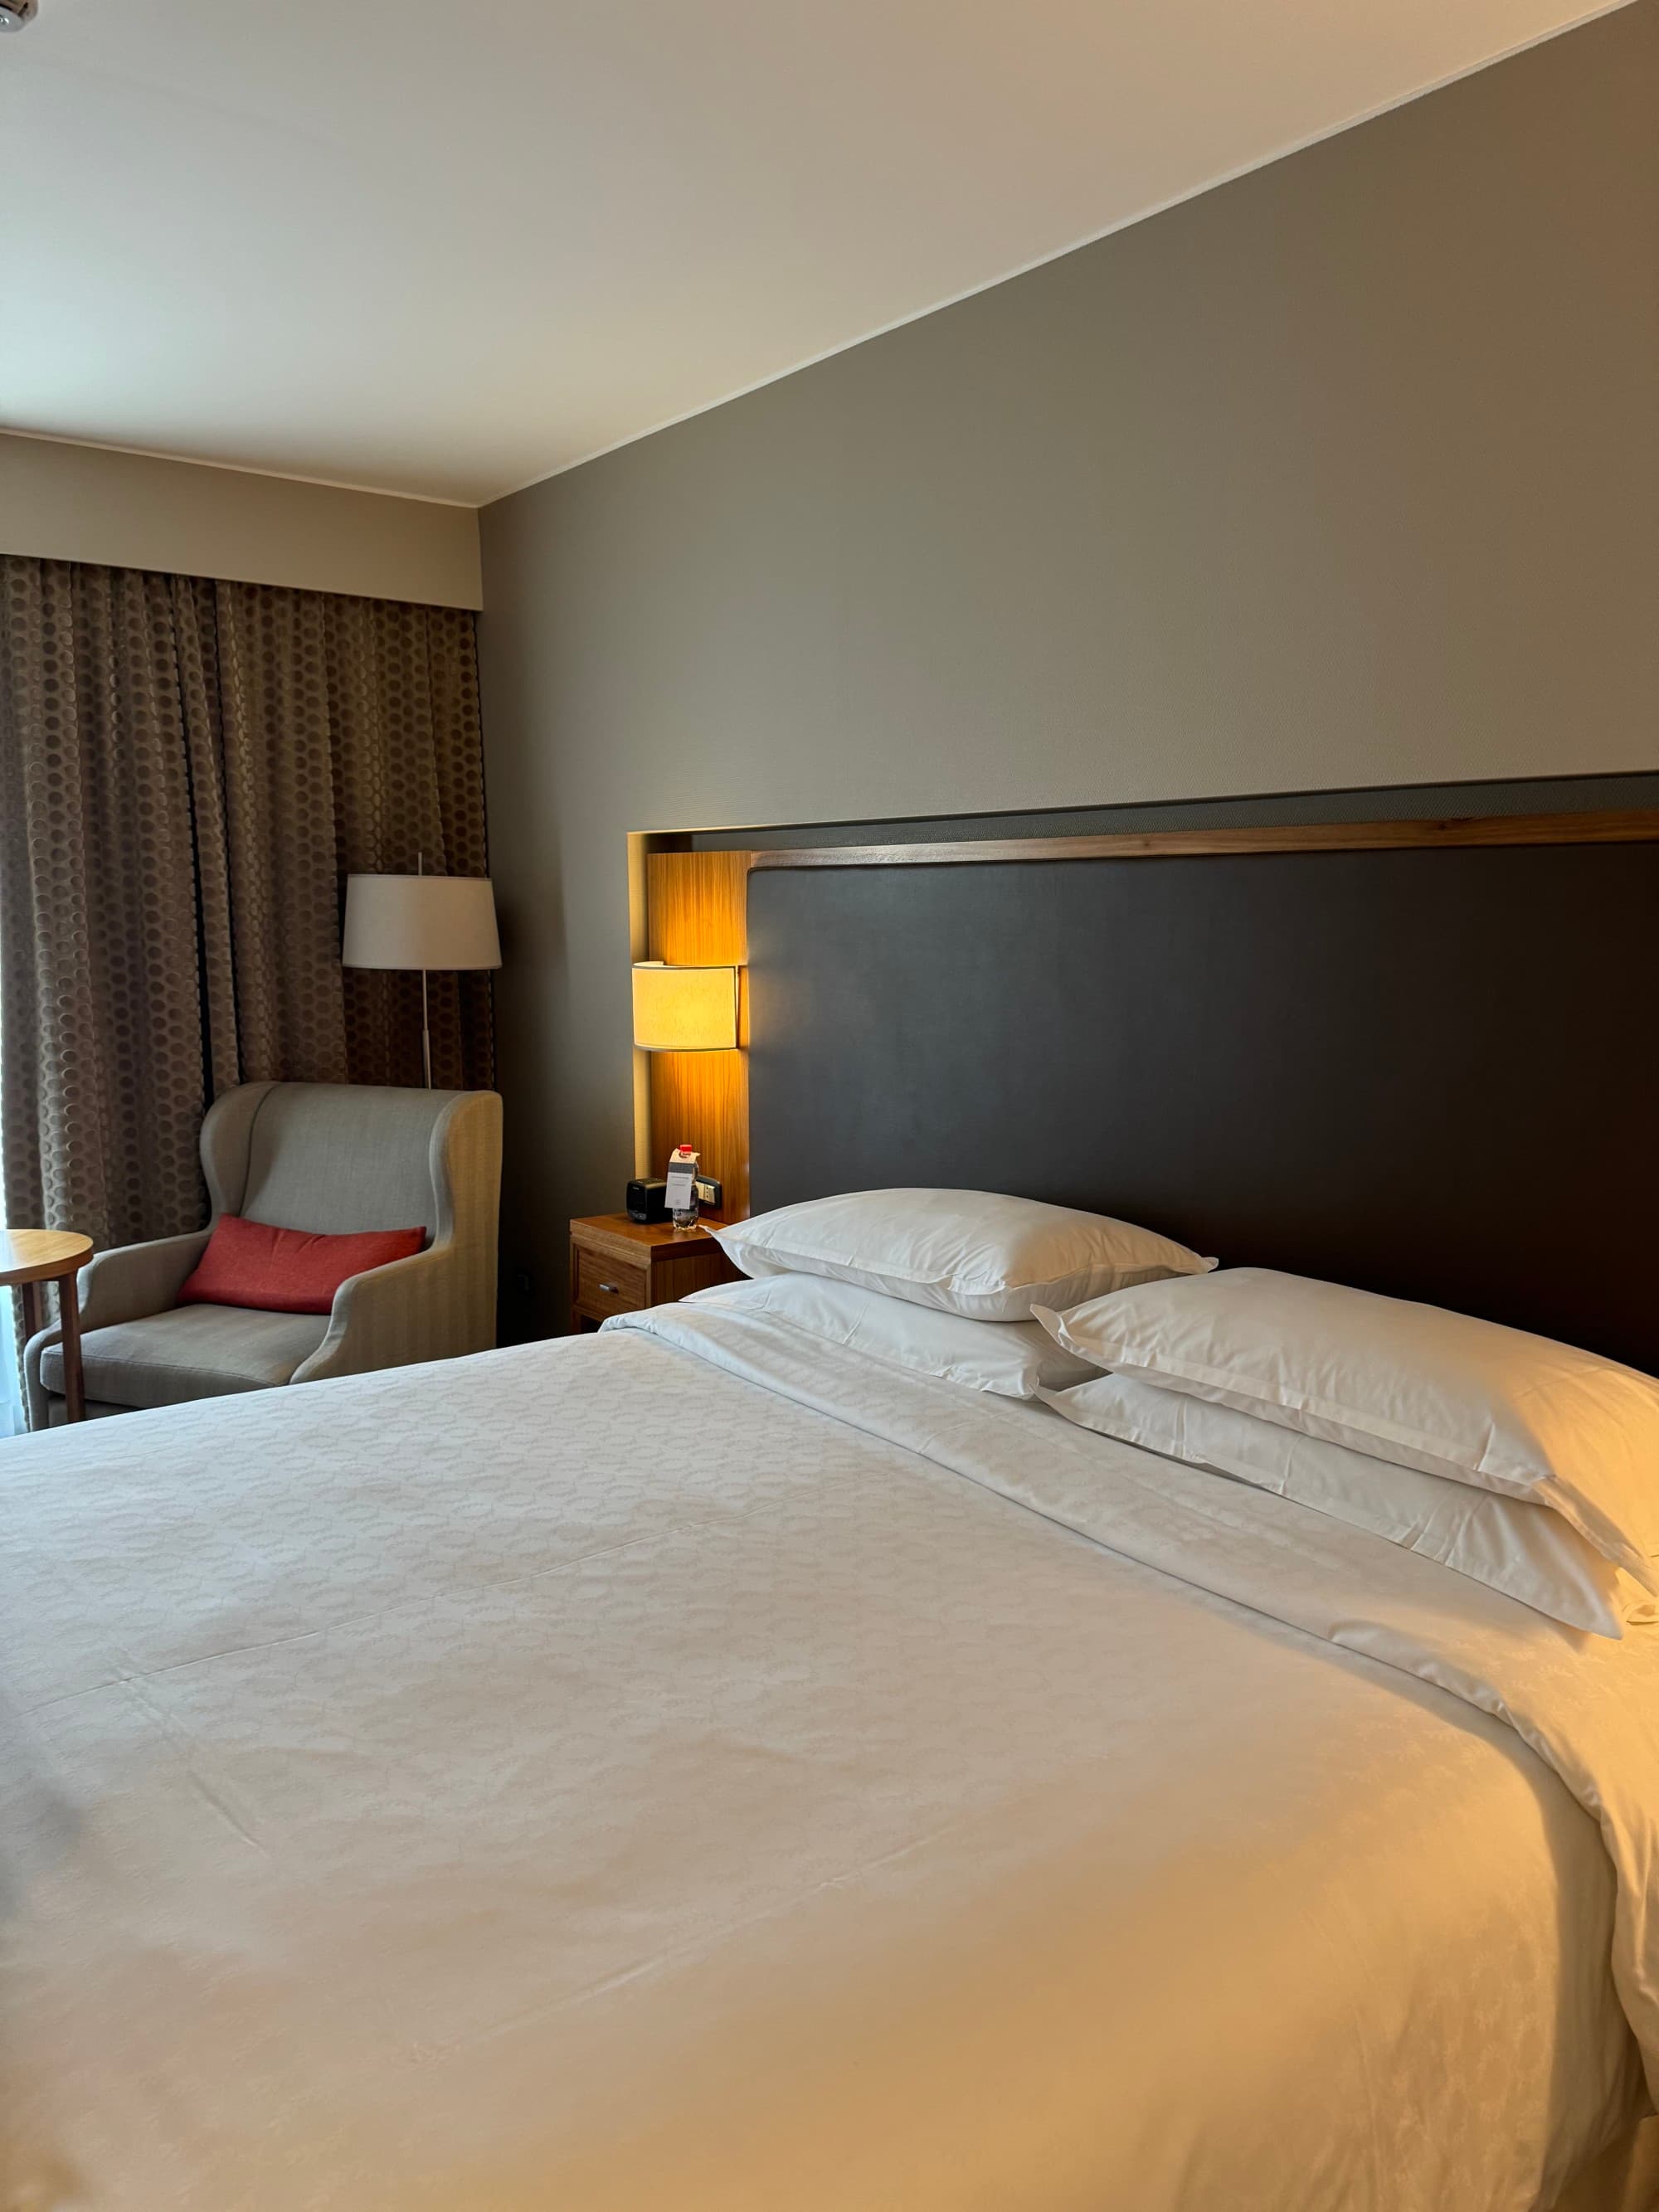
325 1157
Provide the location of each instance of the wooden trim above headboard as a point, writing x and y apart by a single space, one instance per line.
1587 829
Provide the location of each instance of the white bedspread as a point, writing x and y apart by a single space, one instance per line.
692 1769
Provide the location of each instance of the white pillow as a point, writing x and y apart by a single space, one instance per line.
1014 1358
1412 1384
971 1252
1526 1552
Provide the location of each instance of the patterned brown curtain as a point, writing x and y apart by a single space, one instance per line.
188 771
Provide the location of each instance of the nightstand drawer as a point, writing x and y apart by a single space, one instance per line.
623 1266
605 1288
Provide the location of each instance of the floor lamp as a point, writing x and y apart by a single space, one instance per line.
423 921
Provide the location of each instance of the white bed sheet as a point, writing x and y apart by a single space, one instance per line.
694 1768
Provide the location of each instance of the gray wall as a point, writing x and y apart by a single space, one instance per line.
1344 474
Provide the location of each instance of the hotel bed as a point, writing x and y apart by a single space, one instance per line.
707 1766
704 1767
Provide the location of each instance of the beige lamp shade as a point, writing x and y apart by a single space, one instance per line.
419 922
685 1009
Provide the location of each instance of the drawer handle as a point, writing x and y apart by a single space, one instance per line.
610 1290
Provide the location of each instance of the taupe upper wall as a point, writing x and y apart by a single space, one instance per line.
1344 473
70 502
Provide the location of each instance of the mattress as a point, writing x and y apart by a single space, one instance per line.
694 1768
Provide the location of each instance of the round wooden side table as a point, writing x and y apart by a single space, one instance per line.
29 1257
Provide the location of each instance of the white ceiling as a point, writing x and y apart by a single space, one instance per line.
448 248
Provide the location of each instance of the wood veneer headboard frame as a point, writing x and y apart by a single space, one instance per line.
1413 1056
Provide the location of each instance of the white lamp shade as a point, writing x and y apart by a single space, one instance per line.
685 1009
419 922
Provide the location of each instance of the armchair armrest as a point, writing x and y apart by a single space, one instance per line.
127 1284
421 1307
136 1280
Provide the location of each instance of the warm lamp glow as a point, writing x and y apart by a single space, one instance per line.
685 1009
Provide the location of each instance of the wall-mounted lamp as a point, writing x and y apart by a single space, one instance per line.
685 1009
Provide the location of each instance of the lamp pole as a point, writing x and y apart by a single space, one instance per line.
426 1019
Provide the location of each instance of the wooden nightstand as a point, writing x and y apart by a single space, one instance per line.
619 1265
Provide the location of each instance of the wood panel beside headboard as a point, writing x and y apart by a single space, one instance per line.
696 912
1420 1057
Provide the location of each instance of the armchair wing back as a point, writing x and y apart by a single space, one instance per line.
339 1157
336 1157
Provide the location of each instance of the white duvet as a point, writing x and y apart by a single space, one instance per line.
695 1768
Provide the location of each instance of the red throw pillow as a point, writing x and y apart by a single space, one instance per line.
248 1263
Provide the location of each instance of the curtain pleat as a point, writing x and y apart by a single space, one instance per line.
196 643
277 678
188 772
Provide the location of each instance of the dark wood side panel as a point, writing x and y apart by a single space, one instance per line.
1429 1067
1587 829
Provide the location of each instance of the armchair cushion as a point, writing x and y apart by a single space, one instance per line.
251 1263
196 1352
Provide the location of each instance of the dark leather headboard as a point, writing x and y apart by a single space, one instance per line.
1428 1069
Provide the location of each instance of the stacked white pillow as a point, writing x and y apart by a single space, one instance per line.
980 1254
1010 1359
1532 1425
941 1282
1526 1551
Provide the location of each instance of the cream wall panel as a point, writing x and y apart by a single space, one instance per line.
71 502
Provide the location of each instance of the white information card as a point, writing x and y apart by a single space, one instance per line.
681 1196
